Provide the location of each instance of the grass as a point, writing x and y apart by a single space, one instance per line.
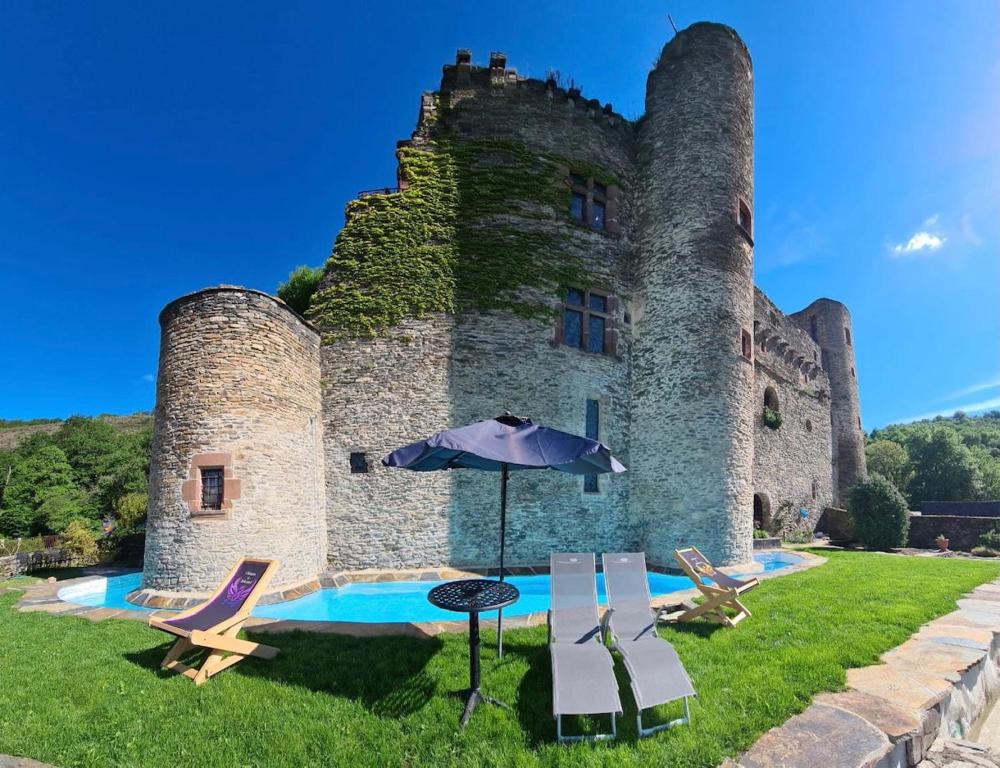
76 693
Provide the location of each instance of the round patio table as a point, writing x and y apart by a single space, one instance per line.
472 596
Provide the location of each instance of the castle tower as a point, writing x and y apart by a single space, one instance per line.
237 456
692 430
829 324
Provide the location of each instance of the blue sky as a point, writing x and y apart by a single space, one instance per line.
151 150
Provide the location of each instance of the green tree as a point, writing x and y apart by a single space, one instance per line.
890 459
130 510
32 478
989 474
91 447
298 290
61 506
79 539
943 468
880 515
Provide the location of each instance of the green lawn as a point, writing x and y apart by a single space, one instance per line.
80 693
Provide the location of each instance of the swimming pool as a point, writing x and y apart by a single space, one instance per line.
392 601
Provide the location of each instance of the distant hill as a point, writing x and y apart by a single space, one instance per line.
14 431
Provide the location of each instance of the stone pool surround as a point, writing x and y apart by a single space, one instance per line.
44 597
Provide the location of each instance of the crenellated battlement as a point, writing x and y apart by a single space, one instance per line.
458 79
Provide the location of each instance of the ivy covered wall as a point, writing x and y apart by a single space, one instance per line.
452 240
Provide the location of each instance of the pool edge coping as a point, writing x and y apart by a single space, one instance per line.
44 597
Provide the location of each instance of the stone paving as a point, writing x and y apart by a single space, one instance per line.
914 708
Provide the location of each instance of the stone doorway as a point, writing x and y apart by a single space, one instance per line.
761 511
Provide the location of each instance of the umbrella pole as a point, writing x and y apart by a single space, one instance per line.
503 539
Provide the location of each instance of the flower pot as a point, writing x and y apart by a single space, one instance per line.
942 544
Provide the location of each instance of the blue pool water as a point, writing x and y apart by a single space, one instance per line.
386 601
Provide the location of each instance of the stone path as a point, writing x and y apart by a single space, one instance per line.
915 706
8 761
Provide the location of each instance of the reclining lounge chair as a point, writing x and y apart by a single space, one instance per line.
583 675
724 592
214 624
654 668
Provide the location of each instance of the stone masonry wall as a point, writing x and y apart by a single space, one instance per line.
792 464
829 323
239 376
443 371
962 531
692 424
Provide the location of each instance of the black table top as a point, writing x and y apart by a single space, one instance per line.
473 595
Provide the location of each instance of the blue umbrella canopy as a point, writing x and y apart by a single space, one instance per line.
506 442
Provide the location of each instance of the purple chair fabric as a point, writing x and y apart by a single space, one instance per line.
228 602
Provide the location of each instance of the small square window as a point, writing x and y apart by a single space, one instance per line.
591 484
600 190
359 463
577 180
743 218
595 333
597 214
578 207
212 487
598 303
574 297
573 328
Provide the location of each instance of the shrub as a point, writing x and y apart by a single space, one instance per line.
130 510
991 538
772 418
80 540
298 290
799 537
985 552
760 533
880 515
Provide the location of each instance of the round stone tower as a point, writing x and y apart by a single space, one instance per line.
237 457
829 324
692 430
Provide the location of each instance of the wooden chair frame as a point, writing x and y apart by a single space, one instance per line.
224 647
716 598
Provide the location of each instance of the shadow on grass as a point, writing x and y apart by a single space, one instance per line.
386 675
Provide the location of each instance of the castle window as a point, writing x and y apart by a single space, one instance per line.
771 399
747 343
597 214
359 463
591 202
586 321
814 329
809 425
593 425
744 219
847 335
815 490
212 484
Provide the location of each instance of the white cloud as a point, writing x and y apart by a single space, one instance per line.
926 239
970 408
993 383
148 377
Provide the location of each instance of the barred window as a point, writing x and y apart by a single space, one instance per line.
212 487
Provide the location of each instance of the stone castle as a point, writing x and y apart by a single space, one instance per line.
543 255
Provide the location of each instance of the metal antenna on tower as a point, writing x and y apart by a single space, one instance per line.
671 20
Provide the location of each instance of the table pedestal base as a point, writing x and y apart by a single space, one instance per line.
472 697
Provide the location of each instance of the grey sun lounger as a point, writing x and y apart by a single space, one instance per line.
583 675
654 668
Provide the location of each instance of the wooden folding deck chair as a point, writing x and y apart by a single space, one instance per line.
214 624
723 593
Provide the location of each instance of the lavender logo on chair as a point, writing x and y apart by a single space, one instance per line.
239 589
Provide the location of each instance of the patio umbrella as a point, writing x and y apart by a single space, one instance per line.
505 444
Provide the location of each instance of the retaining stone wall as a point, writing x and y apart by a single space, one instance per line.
962 531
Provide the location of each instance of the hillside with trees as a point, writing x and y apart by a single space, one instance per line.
955 458
82 472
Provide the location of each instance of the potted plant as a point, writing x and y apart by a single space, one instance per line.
942 542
